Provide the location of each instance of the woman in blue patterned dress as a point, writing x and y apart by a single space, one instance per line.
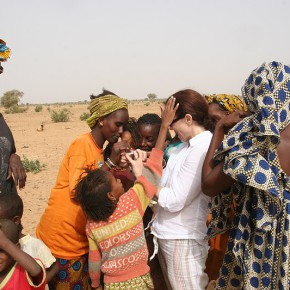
251 165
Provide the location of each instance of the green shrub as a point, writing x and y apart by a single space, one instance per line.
147 104
33 166
16 109
84 116
60 116
38 108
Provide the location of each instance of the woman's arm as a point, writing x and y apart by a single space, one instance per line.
214 180
167 116
184 185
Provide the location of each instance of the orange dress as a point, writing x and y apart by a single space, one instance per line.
62 225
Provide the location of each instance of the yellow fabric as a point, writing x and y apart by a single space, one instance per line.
103 106
5 52
62 225
143 282
5 55
229 103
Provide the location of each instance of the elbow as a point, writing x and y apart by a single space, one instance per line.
36 271
208 190
173 207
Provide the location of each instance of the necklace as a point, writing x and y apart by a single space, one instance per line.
92 137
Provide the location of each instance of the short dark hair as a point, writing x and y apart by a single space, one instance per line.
92 194
149 119
11 204
10 229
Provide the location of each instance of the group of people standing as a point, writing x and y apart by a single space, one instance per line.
228 160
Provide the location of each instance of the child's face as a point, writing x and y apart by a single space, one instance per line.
149 135
6 261
126 136
117 186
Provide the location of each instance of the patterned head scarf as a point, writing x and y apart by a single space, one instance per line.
103 106
5 52
249 148
230 103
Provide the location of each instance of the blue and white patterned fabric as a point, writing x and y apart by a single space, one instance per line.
258 249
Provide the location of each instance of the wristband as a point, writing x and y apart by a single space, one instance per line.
108 165
111 163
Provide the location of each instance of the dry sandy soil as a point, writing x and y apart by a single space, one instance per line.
49 147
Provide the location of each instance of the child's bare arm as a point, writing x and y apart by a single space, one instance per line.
51 271
26 261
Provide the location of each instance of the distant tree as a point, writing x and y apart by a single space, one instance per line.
11 98
151 97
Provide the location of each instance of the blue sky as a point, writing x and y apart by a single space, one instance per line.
64 50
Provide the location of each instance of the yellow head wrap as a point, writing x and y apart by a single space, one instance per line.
103 106
229 103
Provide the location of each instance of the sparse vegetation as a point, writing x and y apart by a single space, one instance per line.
38 108
60 116
33 166
16 109
84 116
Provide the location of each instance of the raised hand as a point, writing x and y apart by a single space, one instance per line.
168 113
231 120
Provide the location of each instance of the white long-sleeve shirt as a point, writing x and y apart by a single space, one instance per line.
182 207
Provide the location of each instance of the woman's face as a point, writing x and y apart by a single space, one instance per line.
113 125
181 129
215 112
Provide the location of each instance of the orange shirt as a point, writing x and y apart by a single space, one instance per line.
62 225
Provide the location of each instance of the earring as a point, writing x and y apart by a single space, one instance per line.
100 123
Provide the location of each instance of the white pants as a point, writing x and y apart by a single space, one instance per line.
183 263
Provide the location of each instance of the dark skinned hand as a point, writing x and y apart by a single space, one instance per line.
118 149
17 170
230 120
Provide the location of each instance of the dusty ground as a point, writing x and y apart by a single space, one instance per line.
49 147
